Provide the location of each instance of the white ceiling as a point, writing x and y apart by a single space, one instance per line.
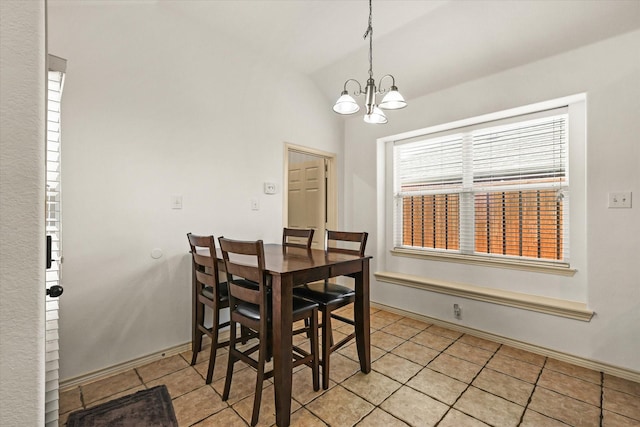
308 34
426 44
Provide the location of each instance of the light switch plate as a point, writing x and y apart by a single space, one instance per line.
176 202
620 199
269 188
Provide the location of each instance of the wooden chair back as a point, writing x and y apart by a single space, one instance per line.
346 242
244 261
205 264
304 237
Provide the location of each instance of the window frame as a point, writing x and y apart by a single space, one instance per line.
576 110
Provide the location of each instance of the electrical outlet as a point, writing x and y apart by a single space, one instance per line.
457 311
620 199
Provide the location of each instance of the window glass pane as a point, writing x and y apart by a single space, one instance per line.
426 166
533 151
486 191
519 223
432 221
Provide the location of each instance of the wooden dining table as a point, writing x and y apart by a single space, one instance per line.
289 267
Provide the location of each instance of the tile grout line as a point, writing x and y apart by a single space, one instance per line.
533 390
468 385
184 394
355 373
601 398
140 378
440 352
387 352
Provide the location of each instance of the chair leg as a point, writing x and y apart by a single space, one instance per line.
244 333
232 360
326 347
259 380
306 325
214 345
313 331
268 353
196 340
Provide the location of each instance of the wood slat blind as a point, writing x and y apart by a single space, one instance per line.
495 189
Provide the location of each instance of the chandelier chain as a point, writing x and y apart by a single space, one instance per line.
369 33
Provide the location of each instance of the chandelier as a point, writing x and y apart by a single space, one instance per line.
391 101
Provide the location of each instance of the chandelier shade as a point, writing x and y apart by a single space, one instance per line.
392 99
346 104
376 116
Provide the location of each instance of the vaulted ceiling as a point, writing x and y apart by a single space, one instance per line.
426 44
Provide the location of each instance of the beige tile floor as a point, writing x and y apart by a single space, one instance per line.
422 375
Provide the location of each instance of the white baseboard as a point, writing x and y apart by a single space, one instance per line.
122 367
564 357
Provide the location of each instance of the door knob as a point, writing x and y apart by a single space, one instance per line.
55 291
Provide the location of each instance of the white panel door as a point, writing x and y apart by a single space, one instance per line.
307 195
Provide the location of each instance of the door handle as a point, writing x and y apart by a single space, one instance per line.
55 291
49 260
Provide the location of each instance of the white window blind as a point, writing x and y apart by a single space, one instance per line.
53 222
497 189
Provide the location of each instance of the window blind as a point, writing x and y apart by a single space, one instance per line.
430 177
494 189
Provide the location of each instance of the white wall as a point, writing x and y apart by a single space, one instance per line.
155 106
139 125
609 280
22 246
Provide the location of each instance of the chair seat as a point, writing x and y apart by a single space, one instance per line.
252 311
324 293
223 290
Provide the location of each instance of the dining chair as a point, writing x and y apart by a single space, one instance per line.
209 292
250 307
297 237
331 296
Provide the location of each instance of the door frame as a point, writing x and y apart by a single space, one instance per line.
331 183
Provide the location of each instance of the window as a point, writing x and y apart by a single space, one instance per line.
498 189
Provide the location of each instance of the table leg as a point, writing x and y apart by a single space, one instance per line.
361 315
282 318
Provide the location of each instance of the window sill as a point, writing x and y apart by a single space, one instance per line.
531 266
553 306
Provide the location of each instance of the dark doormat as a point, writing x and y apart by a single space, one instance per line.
145 408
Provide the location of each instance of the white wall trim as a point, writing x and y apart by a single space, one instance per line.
563 357
122 367
523 265
490 117
557 307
